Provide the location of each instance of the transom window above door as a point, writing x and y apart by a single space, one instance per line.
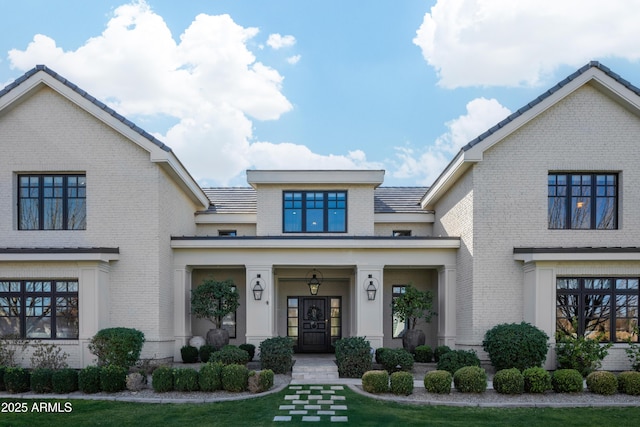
314 211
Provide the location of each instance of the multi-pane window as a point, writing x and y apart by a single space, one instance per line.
583 201
605 309
52 202
398 327
39 309
315 211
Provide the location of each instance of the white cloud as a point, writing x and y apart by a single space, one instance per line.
276 41
265 155
513 43
293 60
481 115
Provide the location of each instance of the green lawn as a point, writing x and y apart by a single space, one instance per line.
363 411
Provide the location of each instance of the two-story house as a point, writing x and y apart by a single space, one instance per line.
536 220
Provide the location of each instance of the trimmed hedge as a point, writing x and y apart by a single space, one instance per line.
396 359
470 379
536 380
162 379
353 355
423 354
211 376
250 349
438 382
602 382
235 378
230 355
508 381
516 345
205 352
375 381
185 379
16 380
117 346
189 354
64 381
401 383
2 369
439 352
113 378
629 383
277 354
379 352
567 381
456 359
41 380
89 379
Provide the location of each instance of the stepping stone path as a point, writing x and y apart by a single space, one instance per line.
314 403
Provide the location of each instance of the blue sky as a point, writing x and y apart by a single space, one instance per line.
232 85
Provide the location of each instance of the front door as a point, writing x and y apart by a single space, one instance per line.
314 323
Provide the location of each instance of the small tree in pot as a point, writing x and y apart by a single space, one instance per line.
411 306
213 300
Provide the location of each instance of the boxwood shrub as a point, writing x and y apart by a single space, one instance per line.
470 379
379 352
230 355
89 379
516 345
629 383
438 382
456 359
162 379
205 352
439 351
113 378
235 378
567 381
185 379
250 349
602 382
210 378
41 380
277 354
189 354
375 381
64 381
401 383
508 381
117 346
16 380
536 380
423 354
353 355
396 359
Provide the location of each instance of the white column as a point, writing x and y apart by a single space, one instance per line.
260 319
447 305
181 309
369 314
540 304
93 294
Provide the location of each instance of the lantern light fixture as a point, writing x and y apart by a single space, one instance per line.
257 289
314 280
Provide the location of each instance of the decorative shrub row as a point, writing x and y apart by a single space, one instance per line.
353 355
277 354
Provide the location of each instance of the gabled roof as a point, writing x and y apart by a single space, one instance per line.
398 199
159 152
235 200
472 152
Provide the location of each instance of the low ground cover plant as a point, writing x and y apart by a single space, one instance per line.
438 382
375 381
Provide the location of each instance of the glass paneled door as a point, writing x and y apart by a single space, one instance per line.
314 323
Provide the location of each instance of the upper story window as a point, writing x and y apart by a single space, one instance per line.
315 211
583 201
52 202
227 233
401 233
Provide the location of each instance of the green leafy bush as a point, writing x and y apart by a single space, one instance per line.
235 378
582 354
401 383
396 359
16 380
379 352
250 349
536 380
470 379
602 382
629 383
516 345
567 381
113 378
64 381
353 355
508 381
162 379
438 382
260 381
205 352
456 359
117 346
189 354
41 380
277 354
89 379
230 355
375 381
47 355
185 379
210 378
424 354
439 352
2 369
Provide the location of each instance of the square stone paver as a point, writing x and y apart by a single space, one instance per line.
339 419
298 412
315 397
314 418
337 387
299 402
338 407
338 398
295 387
328 392
291 397
326 412
282 418
325 402
312 407
303 392
287 407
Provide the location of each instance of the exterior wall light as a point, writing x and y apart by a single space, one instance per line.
313 281
257 289
371 288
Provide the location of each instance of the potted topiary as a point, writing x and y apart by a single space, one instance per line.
213 300
411 306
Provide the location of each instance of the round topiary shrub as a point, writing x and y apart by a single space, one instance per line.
602 382
162 379
536 380
117 346
470 379
230 355
41 380
396 359
567 381
508 381
629 383
113 378
205 352
375 381
185 379
439 352
423 354
516 345
189 354
250 349
277 354
16 380
235 378
89 379
210 378
456 359
401 383
64 381
438 382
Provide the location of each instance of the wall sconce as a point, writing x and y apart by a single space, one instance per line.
371 288
257 289
313 281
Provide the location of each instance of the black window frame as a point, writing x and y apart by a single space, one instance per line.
564 194
37 192
397 291
56 298
308 197
576 295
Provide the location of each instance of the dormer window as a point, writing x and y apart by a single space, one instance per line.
315 211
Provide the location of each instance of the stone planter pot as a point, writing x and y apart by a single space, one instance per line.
218 338
413 338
